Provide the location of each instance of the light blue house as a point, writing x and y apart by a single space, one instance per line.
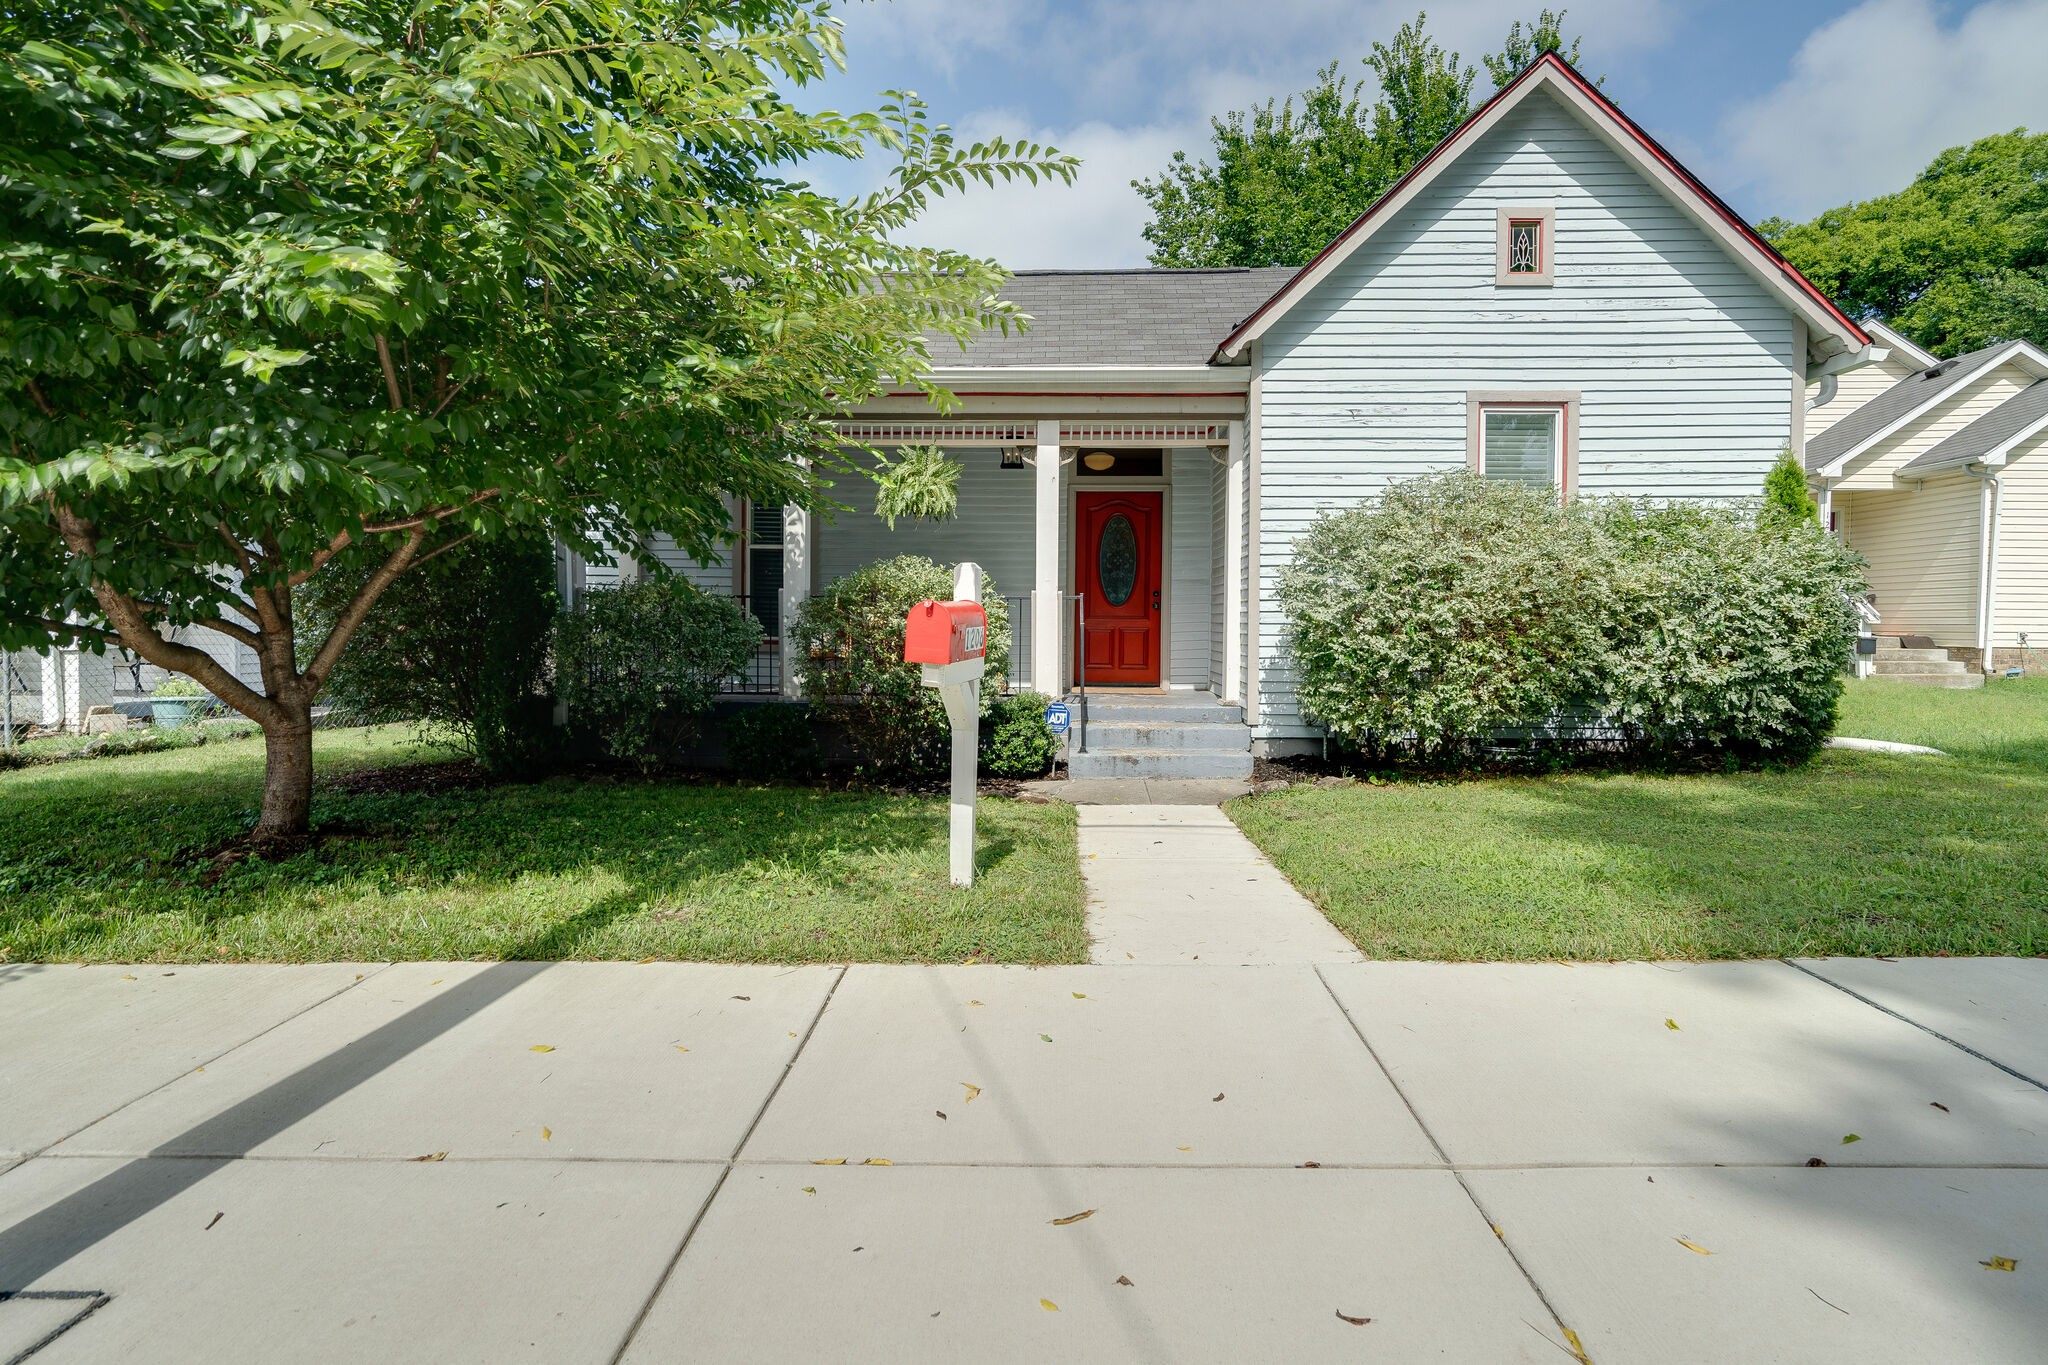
1548 297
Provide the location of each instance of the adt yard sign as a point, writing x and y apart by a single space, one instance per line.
949 640
1058 718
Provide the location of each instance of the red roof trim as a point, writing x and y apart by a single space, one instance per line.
1629 126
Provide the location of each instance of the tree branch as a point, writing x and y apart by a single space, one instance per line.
35 392
390 374
233 632
320 558
359 607
441 550
136 636
431 514
76 631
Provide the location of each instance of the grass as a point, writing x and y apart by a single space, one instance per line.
104 861
1869 854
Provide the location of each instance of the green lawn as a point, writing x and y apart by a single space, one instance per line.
1856 853
98 862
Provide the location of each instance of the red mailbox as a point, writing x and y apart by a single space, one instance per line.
945 633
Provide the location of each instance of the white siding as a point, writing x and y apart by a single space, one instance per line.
1188 567
1874 468
2021 594
993 528
1853 389
1924 557
715 577
1683 362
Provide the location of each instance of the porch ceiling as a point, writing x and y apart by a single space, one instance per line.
1083 431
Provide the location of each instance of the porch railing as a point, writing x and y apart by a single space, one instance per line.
763 674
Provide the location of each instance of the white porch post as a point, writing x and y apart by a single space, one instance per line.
796 590
1048 610
1233 585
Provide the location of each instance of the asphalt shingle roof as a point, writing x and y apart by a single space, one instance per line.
1987 433
1895 402
1120 317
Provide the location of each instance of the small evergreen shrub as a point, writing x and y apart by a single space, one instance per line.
640 664
1786 493
848 642
1455 611
458 645
1018 742
773 742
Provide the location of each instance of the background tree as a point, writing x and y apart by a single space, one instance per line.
1287 176
1957 260
283 281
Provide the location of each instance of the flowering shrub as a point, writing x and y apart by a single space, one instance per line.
1456 610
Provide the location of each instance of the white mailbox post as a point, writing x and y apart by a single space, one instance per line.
949 640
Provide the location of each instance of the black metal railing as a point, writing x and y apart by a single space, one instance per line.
763 674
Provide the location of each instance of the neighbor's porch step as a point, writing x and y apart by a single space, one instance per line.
1156 735
1964 680
1159 763
1888 666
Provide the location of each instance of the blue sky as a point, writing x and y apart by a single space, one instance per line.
1787 107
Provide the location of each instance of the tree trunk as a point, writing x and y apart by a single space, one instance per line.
287 775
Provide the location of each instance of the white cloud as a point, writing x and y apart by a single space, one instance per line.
1095 222
1876 93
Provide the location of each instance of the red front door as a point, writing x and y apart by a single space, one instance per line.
1116 571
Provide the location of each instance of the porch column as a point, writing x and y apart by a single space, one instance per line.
1233 584
1048 609
796 590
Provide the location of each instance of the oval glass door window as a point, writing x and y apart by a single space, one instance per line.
1116 560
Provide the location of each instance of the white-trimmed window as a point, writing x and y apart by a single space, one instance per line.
1524 245
1525 439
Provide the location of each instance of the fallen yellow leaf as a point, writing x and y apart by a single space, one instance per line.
681 1048
1048 1305
645 960
1692 1246
974 1002
972 1091
547 1134
830 1161
1671 1024
1578 1351
1073 1218
1183 1149
540 1047
126 977
2000 1263
432 1156
878 1161
1497 1232
1853 1137
437 981
810 1189
1080 995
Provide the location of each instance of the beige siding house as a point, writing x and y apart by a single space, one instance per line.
1940 479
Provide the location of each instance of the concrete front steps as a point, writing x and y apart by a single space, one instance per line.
1161 735
1922 664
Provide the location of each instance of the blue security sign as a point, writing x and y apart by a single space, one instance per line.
1058 718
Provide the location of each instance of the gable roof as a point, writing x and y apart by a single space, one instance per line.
1901 345
1991 436
1917 393
1552 73
1137 317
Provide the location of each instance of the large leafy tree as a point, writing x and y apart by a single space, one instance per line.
1957 260
283 281
1288 175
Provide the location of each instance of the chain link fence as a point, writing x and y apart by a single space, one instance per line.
66 702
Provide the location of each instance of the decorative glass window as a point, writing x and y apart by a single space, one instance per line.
1522 445
1116 560
1525 246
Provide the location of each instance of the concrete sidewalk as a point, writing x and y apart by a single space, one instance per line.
1181 883
1346 1161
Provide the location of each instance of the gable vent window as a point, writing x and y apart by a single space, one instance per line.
1524 245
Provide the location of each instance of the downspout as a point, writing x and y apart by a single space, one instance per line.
1987 581
1828 384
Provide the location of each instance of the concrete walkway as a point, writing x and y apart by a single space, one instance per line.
1181 883
1366 1161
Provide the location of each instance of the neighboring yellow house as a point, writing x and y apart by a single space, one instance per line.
1937 472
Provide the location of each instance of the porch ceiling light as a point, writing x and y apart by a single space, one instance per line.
1013 457
1098 460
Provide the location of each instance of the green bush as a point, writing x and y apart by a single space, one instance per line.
1455 610
848 644
640 664
1017 742
459 644
177 687
1786 493
773 742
